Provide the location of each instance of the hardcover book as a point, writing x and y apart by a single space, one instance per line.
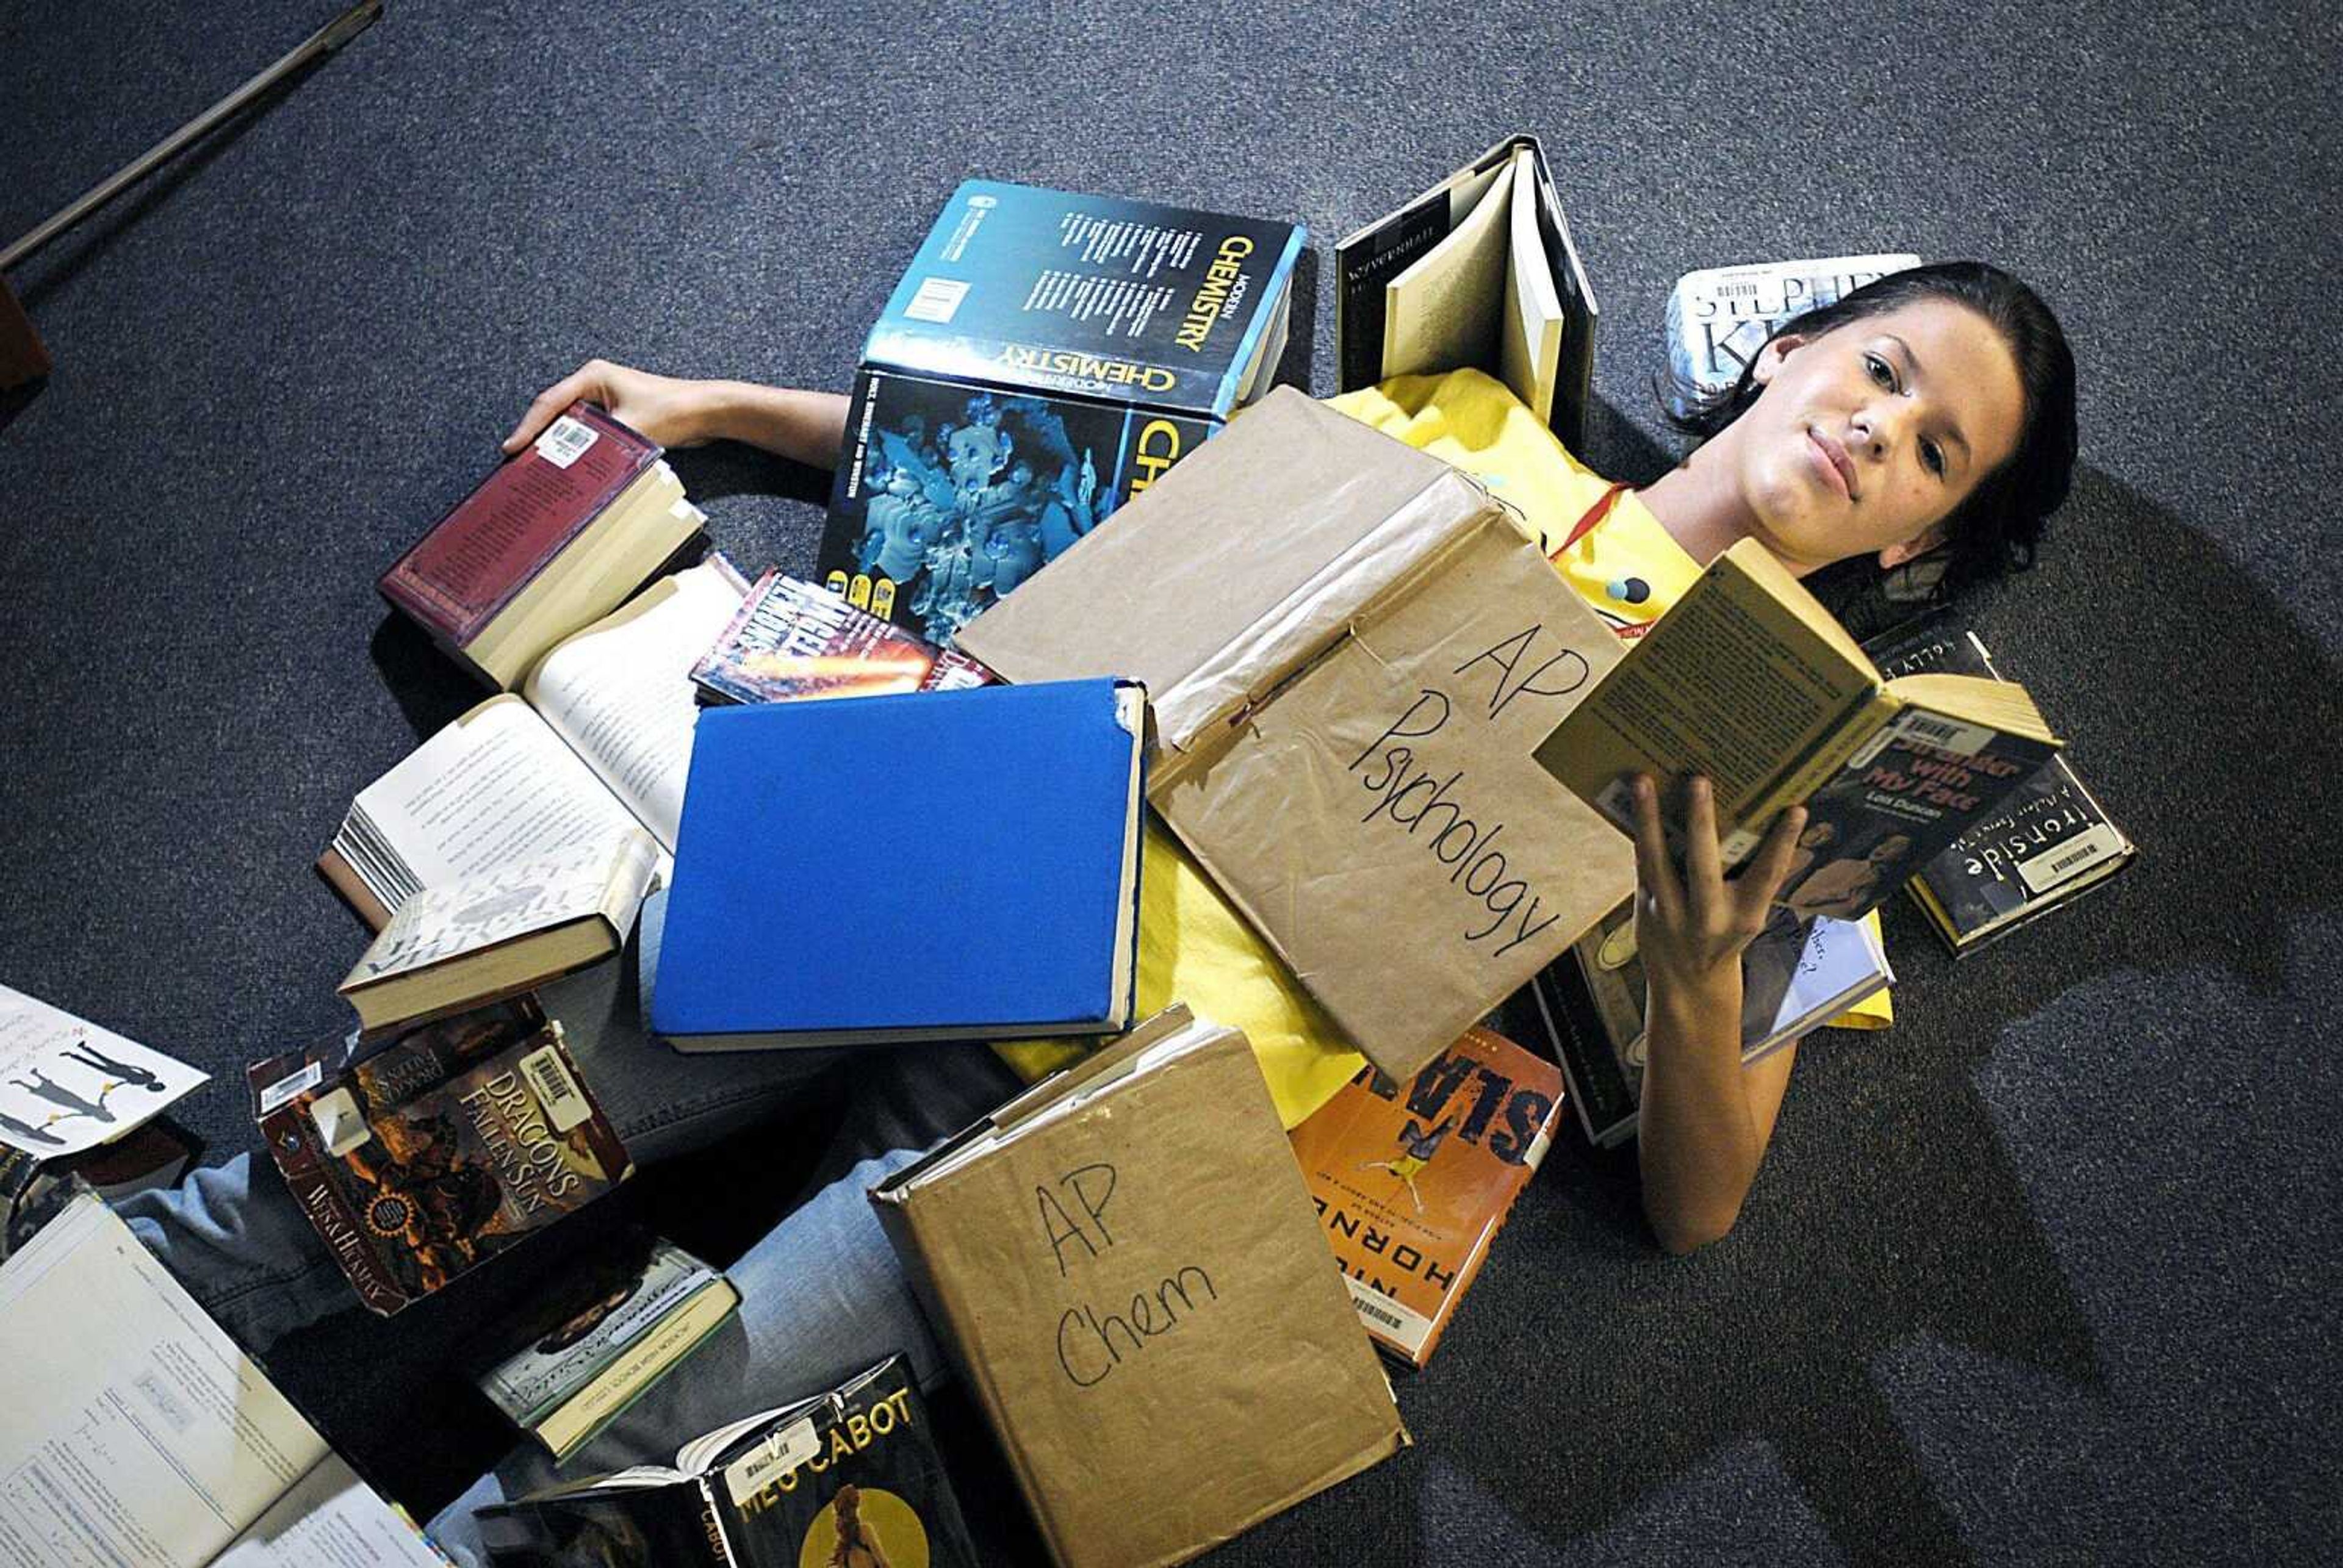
1750 683
1477 273
995 837
594 747
593 1351
458 946
1123 1265
555 537
1796 975
793 641
1348 677
1413 1181
2051 841
421 1159
1720 316
1046 357
848 1476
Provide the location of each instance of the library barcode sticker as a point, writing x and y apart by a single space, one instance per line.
549 1076
1404 1325
1948 735
565 441
282 1092
779 1454
937 299
2043 872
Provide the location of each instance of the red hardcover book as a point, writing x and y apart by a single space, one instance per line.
478 561
1412 1185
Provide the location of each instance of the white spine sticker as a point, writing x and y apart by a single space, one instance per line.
779 1454
282 1092
565 442
548 1077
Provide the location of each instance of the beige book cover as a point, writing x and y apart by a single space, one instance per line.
1127 1269
1352 650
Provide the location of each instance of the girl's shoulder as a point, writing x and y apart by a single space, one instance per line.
1626 567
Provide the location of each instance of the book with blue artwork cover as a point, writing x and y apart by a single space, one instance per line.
1044 358
973 855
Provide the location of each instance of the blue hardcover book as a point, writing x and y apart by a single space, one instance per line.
970 861
1046 357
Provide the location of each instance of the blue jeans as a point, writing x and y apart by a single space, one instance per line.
821 1295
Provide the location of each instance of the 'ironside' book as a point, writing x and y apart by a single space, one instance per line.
1045 358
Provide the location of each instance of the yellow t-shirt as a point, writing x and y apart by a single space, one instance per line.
1192 946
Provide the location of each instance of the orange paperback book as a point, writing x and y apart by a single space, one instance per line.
1410 1187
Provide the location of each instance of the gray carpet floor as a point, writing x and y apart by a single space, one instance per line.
2047 1273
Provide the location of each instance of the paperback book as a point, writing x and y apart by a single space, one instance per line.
419 1159
848 1476
1750 683
1796 975
793 641
69 1086
592 1351
1413 1181
557 536
1720 316
1046 357
2050 842
1479 272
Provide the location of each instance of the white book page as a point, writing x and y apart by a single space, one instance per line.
1531 347
331 1520
134 1430
1444 312
66 1085
496 787
620 693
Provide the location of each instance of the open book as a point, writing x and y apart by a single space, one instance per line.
596 741
1478 272
140 1435
850 1474
1749 682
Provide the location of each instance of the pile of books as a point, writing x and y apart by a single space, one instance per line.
1086 578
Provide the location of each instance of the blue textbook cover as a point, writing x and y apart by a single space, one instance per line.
948 865
1046 357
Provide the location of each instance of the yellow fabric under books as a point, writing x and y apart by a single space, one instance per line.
1193 948
1627 568
1873 1011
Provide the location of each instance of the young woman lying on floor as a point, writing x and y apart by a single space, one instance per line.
1930 412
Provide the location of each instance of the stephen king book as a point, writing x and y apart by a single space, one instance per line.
419 1159
1413 1183
1045 358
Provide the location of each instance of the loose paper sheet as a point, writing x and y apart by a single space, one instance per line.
66 1085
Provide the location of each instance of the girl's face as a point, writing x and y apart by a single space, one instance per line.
1867 437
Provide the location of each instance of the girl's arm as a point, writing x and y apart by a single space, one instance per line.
1704 1118
804 427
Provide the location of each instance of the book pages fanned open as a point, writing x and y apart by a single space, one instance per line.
1349 674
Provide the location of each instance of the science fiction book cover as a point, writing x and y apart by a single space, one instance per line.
1125 301
423 1160
794 641
949 494
1413 1183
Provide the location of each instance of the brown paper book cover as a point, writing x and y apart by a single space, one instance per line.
1348 680
1119 1259
1413 1181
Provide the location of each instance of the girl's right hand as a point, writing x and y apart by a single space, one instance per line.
671 412
1691 929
